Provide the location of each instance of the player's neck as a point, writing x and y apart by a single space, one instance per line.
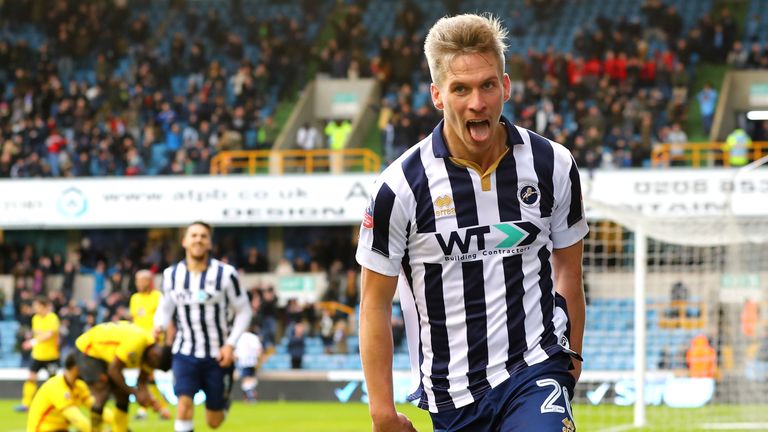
70 378
196 265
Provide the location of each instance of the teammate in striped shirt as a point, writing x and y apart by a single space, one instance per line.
203 292
484 221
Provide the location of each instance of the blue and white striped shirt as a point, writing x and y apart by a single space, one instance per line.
205 303
475 251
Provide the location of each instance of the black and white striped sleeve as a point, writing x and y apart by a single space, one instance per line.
238 299
569 223
167 305
382 241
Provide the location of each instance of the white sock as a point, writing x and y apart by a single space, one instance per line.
184 425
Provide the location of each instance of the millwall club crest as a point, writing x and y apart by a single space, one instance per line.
528 194
368 216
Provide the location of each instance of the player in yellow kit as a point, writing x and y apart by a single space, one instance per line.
45 348
56 405
143 306
103 352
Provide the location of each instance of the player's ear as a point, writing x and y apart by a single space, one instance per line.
507 85
437 99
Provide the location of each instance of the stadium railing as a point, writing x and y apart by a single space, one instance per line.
700 154
295 161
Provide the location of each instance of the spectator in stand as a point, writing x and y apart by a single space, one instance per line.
756 58
752 28
707 98
701 358
308 137
268 316
737 56
296 345
326 330
255 262
340 333
337 132
737 146
676 136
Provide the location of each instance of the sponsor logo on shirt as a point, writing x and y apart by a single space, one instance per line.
444 206
368 216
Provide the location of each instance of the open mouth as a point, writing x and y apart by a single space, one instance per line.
479 130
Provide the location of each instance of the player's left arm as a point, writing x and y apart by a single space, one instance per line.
568 271
238 298
49 331
115 373
42 335
143 395
568 227
77 419
165 308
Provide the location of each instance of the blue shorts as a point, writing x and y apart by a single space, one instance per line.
192 374
537 398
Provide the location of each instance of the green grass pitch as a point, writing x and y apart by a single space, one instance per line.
353 417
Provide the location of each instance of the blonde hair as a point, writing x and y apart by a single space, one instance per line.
143 273
451 37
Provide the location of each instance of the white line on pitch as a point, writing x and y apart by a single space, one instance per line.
735 426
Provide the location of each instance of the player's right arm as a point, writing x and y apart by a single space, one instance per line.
376 350
77 419
115 372
166 307
132 306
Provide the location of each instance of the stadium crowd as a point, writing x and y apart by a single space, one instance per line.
94 94
625 85
98 95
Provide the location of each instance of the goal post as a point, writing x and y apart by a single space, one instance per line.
676 272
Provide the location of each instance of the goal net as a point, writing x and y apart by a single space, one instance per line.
676 273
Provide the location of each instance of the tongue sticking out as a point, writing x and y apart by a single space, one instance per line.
479 131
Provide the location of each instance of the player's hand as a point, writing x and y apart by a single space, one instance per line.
158 333
144 398
576 371
401 423
226 356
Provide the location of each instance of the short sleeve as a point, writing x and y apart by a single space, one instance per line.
569 223
383 232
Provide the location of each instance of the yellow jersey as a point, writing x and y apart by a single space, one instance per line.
143 307
47 350
124 340
50 401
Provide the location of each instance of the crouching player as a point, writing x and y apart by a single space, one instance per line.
56 405
103 352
